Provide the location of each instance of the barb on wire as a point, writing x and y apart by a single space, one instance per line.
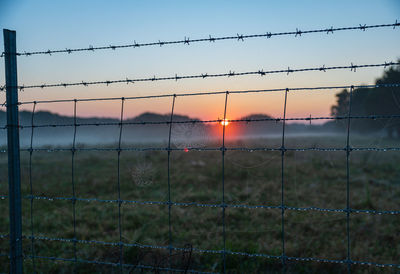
354 67
261 72
187 40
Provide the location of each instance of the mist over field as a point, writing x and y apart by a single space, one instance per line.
56 130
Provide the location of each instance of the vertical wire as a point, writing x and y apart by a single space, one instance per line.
169 182
283 150
119 186
348 150
31 189
223 184
73 184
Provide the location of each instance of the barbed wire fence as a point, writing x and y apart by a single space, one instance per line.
16 256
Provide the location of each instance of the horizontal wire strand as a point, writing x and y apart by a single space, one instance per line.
247 254
366 211
140 266
261 72
209 93
268 119
186 204
327 149
188 41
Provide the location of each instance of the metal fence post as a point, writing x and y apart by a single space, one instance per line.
14 175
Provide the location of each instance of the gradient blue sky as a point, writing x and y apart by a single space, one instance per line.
42 25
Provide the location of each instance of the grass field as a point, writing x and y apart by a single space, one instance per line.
311 178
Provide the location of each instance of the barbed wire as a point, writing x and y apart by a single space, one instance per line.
261 72
188 41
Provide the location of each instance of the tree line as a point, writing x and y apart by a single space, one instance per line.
373 101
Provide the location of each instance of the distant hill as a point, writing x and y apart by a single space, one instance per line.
46 117
154 117
183 134
91 134
261 125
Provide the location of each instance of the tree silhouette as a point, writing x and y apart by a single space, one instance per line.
373 101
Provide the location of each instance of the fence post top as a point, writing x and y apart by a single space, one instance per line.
8 30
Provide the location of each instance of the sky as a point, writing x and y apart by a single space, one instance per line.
42 25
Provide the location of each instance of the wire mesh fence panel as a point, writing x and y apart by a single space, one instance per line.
177 193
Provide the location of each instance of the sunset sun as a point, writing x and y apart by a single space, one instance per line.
224 122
